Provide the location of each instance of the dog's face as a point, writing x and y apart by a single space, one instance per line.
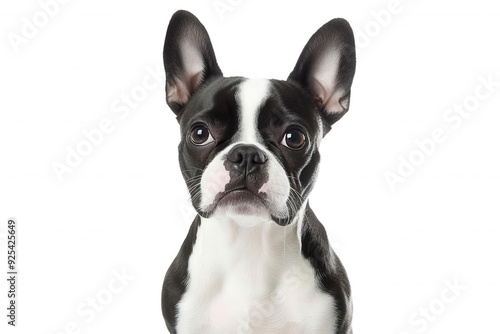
249 148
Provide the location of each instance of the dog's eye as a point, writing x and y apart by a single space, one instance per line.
201 136
294 139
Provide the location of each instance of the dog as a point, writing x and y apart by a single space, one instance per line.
256 259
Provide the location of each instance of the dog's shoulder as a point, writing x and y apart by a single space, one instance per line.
330 272
176 278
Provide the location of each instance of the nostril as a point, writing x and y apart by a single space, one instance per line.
259 157
246 159
235 156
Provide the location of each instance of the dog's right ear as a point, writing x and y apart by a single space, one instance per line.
326 69
188 57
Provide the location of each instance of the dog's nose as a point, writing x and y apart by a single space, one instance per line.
246 159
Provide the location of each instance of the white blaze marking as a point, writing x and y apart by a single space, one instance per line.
251 95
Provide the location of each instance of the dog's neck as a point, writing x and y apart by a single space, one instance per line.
240 233
252 242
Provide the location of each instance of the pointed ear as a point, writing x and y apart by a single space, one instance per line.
188 57
326 68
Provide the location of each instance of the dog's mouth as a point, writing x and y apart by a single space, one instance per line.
240 195
244 201
240 199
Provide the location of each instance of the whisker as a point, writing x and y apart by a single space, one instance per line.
192 169
196 177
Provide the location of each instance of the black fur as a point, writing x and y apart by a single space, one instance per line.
176 278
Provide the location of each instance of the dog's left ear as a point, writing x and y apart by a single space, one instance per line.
188 57
326 68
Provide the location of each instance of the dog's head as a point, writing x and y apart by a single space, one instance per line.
249 148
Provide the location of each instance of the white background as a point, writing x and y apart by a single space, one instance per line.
124 207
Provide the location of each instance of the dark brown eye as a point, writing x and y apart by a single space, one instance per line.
294 139
200 135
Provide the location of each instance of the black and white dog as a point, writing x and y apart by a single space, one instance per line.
256 259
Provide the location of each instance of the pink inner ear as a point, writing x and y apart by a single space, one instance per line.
323 83
177 93
182 90
193 66
338 102
330 99
195 81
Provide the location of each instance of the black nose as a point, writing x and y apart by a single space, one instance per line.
246 159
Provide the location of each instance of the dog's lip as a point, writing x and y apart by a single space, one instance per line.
235 189
240 189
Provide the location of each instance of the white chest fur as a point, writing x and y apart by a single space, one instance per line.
249 279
